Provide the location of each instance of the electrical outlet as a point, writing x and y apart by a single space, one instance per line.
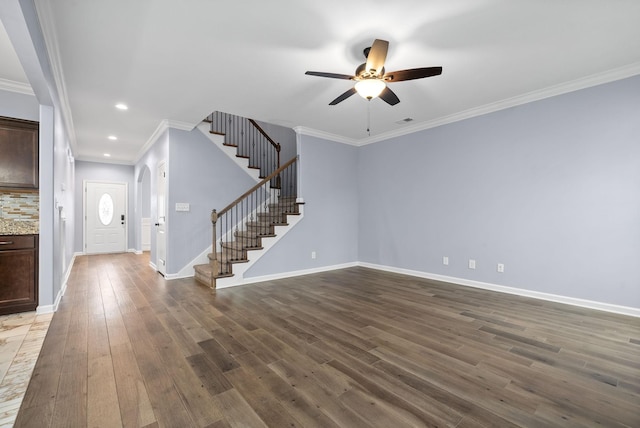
472 264
500 267
313 254
445 260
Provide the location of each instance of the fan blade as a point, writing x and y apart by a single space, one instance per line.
343 97
388 96
411 74
330 75
377 56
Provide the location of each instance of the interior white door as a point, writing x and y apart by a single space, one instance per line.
105 217
161 223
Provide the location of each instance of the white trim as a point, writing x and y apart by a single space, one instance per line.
607 307
291 274
45 16
103 160
47 309
301 130
551 91
187 270
145 234
153 266
165 164
13 86
163 126
548 92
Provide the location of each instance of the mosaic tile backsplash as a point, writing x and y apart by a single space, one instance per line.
19 205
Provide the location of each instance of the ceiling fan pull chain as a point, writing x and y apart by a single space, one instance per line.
369 117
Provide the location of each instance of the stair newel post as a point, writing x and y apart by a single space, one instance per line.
214 262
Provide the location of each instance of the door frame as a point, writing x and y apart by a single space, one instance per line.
162 267
84 211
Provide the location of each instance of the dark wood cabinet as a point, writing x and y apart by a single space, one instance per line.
18 273
18 153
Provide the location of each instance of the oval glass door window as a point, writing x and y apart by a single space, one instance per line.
105 209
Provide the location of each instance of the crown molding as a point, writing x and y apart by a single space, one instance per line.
45 16
13 86
163 126
103 160
301 130
551 91
183 126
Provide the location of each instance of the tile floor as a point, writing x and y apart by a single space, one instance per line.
21 338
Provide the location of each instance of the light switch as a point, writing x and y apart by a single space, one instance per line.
183 206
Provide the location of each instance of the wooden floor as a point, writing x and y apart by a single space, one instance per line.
349 348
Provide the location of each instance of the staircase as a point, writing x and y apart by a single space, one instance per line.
246 228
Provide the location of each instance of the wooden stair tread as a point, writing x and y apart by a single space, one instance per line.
224 258
207 271
248 239
238 246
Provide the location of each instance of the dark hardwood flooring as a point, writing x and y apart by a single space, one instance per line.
350 348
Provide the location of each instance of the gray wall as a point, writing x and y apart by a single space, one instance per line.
328 173
550 189
286 137
203 176
96 171
20 106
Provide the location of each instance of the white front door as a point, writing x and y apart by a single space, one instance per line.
161 223
105 217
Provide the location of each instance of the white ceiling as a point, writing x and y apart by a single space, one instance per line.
173 62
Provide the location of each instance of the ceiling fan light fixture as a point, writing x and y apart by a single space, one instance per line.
370 88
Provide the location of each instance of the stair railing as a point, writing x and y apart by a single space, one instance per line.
240 226
252 141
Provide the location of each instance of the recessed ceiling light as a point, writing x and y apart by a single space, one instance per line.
122 106
112 137
107 155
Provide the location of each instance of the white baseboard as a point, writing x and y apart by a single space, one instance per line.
47 309
171 276
187 271
601 306
254 279
607 307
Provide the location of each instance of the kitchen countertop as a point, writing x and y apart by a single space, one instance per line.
19 227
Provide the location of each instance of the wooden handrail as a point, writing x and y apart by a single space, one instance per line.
257 186
264 134
273 143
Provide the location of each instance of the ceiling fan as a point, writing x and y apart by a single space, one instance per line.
371 78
